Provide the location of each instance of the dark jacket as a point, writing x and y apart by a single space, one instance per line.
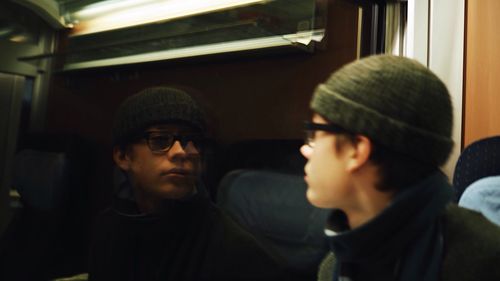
189 240
471 248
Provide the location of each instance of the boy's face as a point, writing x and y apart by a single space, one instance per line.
326 171
163 174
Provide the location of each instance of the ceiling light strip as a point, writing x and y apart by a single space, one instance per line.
104 18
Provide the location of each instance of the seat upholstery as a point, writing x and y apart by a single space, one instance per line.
273 206
47 236
478 160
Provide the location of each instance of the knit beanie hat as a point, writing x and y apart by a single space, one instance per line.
152 106
395 101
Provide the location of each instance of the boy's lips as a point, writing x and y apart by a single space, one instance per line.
178 171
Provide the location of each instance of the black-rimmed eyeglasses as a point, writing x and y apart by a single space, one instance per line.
310 128
161 142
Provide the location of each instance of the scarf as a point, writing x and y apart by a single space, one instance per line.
403 242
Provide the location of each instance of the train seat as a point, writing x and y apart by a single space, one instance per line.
272 206
48 235
478 160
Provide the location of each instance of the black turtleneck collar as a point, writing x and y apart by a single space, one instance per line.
124 204
389 237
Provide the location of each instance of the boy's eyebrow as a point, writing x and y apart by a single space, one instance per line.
167 127
172 131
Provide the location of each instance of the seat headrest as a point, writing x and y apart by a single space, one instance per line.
266 201
478 160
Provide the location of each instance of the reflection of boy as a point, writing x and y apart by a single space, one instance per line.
168 229
381 128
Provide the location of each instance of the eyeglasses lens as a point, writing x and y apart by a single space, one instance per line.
160 143
163 142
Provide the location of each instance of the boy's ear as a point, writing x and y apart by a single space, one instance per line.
360 154
121 158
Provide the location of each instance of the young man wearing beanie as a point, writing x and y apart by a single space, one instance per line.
380 131
162 225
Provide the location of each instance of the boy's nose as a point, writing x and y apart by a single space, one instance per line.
306 150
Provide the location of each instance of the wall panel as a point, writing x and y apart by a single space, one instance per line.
482 88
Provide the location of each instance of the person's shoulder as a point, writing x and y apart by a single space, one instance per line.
241 253
104 217
471 246
237 235
232 231
462 222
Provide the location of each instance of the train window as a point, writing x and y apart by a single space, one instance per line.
101 36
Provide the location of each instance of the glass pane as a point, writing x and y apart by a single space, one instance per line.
297 21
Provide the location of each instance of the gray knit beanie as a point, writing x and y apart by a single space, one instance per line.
152 106
395 101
